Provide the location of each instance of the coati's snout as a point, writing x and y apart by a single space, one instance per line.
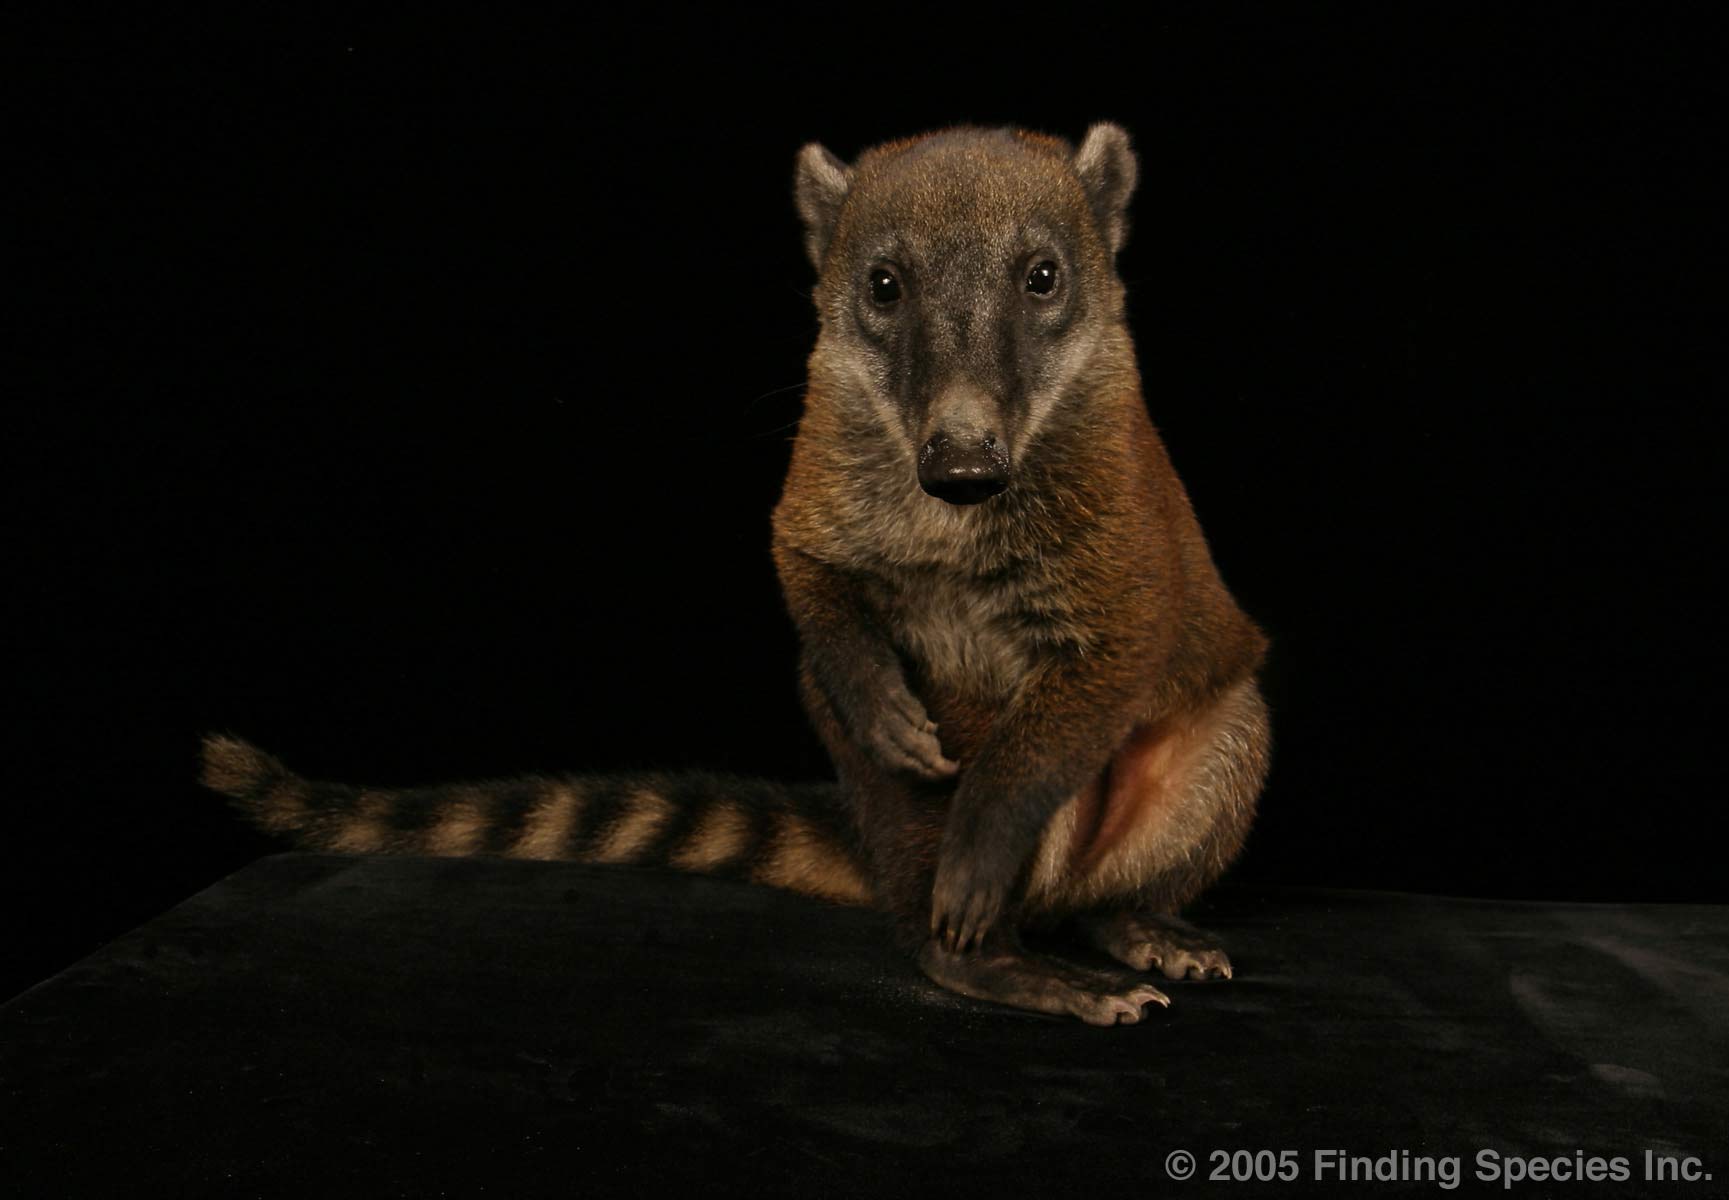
963 471
964 455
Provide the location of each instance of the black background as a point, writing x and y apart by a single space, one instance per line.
413 403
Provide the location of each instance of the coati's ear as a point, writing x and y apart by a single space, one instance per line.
1107 169
819 186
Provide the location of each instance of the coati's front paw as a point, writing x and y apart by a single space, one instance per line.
966 901
1150 941
898 733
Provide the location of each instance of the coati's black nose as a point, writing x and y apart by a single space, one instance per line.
963 472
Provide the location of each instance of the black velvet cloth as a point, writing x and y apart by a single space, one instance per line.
327 1026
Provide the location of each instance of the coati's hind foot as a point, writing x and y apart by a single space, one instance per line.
1010 975
1150 940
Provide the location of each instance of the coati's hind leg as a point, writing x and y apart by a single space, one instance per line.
1176 805
1004 972
1150 941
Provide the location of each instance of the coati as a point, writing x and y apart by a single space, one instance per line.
1039 697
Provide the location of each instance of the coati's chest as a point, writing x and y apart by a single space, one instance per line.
960 634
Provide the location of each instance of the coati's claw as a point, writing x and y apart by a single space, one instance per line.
1182 965
1041 984
964 907
906 748
1157 941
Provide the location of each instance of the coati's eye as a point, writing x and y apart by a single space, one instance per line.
885 288
1042 279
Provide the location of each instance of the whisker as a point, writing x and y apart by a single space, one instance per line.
777 429
791 387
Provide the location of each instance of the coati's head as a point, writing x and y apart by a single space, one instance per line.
965 279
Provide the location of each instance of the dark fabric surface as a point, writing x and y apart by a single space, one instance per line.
318 1025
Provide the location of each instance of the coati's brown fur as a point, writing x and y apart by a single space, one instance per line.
1038 695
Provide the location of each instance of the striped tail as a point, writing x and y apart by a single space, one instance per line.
792 836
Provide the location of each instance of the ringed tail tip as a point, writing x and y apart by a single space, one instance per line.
234 767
